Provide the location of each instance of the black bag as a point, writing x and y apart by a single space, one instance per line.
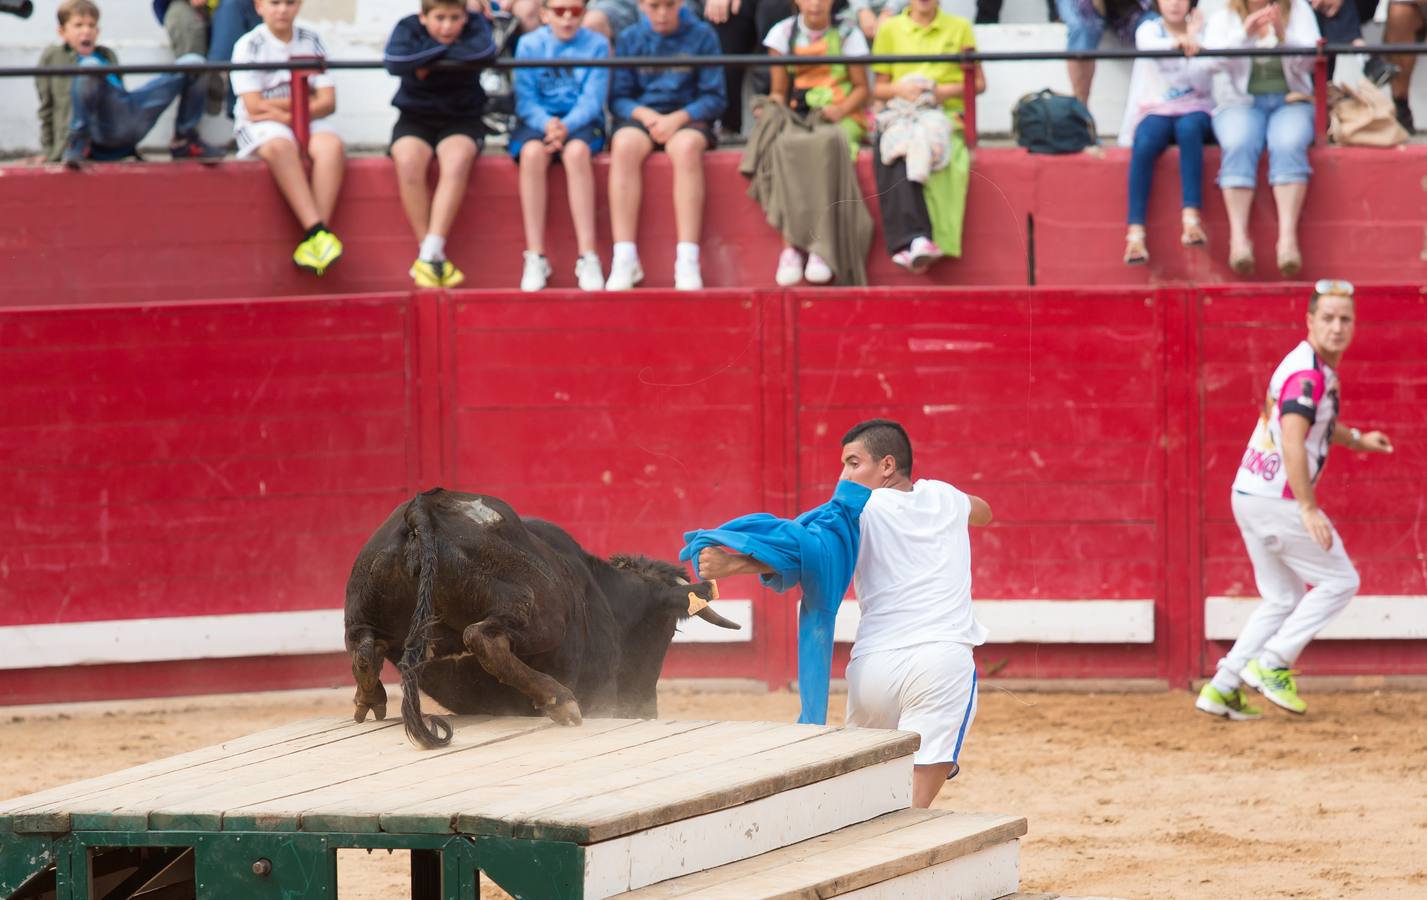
1047 122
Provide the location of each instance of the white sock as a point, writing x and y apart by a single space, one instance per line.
686 251
625 251
1225 681
433 248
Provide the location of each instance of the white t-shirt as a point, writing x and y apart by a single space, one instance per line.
261 45
1302 385
913 576
854 43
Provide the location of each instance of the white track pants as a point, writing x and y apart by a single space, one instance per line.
1286 560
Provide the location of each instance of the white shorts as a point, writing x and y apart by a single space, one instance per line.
252 135
929 689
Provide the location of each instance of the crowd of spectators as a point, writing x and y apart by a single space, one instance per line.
909 113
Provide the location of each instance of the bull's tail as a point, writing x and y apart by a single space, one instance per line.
418 636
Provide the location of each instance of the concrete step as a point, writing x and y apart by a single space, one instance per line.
908 853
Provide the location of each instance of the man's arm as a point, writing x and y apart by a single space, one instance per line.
1295 462
980 511
718 563
1366 441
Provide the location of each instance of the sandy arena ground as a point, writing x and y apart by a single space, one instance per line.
1129 796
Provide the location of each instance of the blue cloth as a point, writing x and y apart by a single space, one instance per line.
443 93
574 95
1153 135
817 550
699 92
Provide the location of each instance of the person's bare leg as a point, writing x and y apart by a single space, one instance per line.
1082 73
1404 20
454 158
411 157
1288 198
534 169
927 782
329 163
686 152
628 151
580 186
1238 202
286 165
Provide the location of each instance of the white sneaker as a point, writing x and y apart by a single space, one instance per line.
588 272
624 274
817 271
790 268
923 253
537 272
687 276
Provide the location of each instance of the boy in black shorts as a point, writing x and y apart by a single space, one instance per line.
440 117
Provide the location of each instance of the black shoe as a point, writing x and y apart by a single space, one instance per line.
1404 114
1379 71
76 151
192 148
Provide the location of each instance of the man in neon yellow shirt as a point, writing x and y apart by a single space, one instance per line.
922 223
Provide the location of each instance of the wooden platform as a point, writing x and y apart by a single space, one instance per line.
612 806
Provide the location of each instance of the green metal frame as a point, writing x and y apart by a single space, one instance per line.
301 865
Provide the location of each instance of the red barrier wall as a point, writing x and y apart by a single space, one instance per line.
205 458
126 233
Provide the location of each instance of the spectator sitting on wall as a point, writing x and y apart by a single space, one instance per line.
922 222
1170 102
230 20
821 95
263 127
94 116
439 118
561 119
1406 24
1085 23
672 109
1264 101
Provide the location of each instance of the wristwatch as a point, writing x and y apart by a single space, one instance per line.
1357 437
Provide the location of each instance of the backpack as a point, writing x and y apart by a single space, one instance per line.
1047 122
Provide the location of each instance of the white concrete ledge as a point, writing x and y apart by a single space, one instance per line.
1368 617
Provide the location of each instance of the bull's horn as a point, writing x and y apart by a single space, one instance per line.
708 615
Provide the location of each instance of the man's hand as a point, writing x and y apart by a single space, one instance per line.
1374 442
719 11
717 563
911 88
1319 528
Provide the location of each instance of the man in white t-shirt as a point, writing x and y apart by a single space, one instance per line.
1289 539
912 665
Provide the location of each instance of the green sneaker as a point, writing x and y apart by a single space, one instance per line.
1232 706
318 252
1277 685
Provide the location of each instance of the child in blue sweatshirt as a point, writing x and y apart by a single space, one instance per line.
561 117
440 116
670 108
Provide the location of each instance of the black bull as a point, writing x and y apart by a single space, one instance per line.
493 614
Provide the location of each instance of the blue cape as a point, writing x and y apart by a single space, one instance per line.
817 550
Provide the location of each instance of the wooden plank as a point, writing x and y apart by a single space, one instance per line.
53 800
99 810
992 872
438 808
200 801
850 858
700 785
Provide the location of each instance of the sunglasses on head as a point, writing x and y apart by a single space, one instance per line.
566 12
1333 286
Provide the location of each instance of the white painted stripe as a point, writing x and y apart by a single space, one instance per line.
178 637
1045 621
1367 617
244 634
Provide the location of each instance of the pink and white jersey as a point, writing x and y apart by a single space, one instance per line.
1302 385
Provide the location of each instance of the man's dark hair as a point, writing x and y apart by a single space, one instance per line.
883 438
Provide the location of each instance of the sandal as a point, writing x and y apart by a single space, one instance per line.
1290 264
1242 263
1135 251
1192 229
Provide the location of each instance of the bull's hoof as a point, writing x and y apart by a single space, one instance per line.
378 711
565 712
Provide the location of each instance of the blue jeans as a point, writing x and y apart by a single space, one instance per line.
1243 131
1152 136
231 20
114 118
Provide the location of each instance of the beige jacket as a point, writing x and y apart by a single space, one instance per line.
56 105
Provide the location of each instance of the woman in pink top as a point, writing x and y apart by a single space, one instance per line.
1170 101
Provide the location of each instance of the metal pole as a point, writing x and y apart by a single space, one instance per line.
1320 94
968 100
301 110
